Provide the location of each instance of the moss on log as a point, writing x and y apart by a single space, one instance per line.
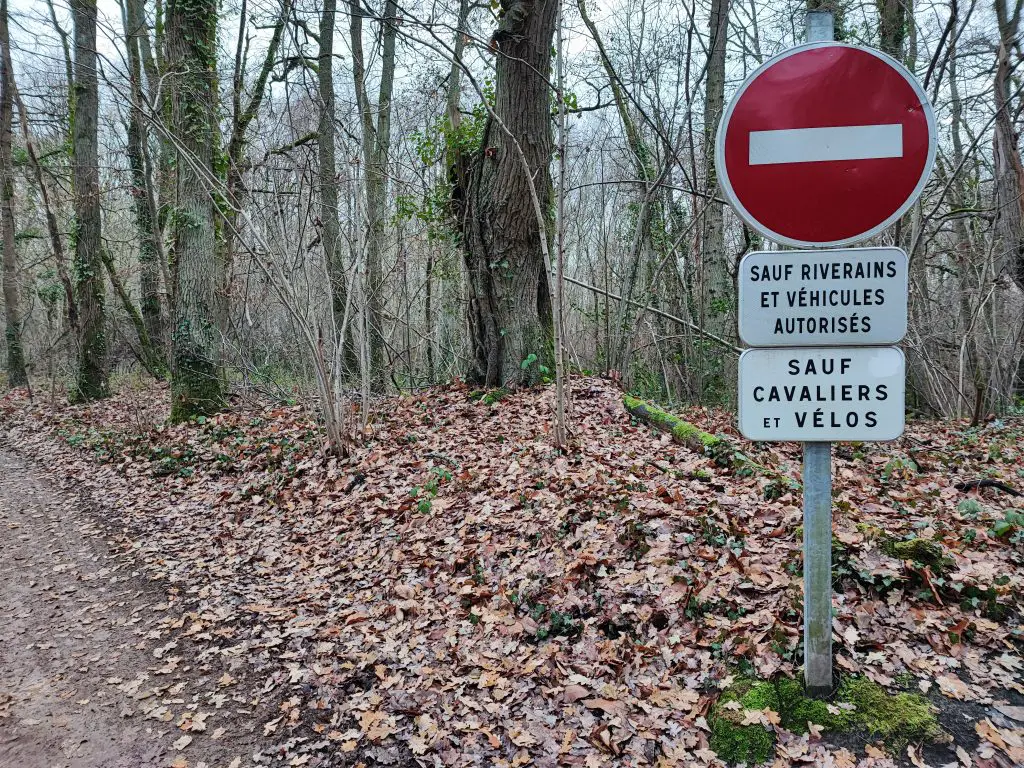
683 432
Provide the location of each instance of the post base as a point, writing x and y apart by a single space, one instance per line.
818 691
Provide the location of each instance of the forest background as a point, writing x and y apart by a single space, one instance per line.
333 201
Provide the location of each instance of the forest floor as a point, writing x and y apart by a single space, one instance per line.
460 593
85 680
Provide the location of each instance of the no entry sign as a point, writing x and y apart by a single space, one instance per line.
825 144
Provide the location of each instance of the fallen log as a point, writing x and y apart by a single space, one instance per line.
973 485
719 448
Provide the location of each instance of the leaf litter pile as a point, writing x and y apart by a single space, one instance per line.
460 593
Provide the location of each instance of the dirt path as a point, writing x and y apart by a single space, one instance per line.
87 679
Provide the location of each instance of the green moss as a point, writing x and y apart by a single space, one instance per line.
736 743
860 704
718 448
897 719
921 550
797 709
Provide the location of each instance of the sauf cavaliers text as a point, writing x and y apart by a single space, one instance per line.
834 415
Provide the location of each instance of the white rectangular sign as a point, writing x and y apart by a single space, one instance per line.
813 395
852 296
818 145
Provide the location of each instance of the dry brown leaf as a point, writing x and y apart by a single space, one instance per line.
874 751
574 693
609 706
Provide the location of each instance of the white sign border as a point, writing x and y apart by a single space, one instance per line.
748 218
824 253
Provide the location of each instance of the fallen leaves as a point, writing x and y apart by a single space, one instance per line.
181 743
1009 740
458 588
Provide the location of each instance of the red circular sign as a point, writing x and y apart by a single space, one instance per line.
825 144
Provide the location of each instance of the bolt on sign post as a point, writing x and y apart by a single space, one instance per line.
824 145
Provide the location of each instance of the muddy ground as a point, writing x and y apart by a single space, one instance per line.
86 677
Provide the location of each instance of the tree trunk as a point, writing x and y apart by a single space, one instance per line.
456 164
892 27
330 228
143 196
718 295
970 262
53 230
146 352
89 282
17 375
195 349
510 316
376 151
1009 172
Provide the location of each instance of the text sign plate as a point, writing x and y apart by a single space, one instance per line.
854 296
813 395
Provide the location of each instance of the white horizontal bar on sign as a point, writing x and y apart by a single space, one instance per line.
816 145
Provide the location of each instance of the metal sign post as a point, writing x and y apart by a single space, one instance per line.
818 511
826 144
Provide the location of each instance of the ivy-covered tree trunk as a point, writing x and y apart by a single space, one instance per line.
16 372
376 151
1008 168
89 281
510 318
143 199
195 348
892 26
328 169
718 294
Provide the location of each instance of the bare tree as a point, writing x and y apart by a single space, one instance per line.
151 255
718 302
510 313
1008 172
376 144
330 227
89 282
17 376
195 349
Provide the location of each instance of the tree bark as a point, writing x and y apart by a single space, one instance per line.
510 315
1009 172
143 195
195 349
17 375
718 295
330 227
328 170
892 27
376 151
89 282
